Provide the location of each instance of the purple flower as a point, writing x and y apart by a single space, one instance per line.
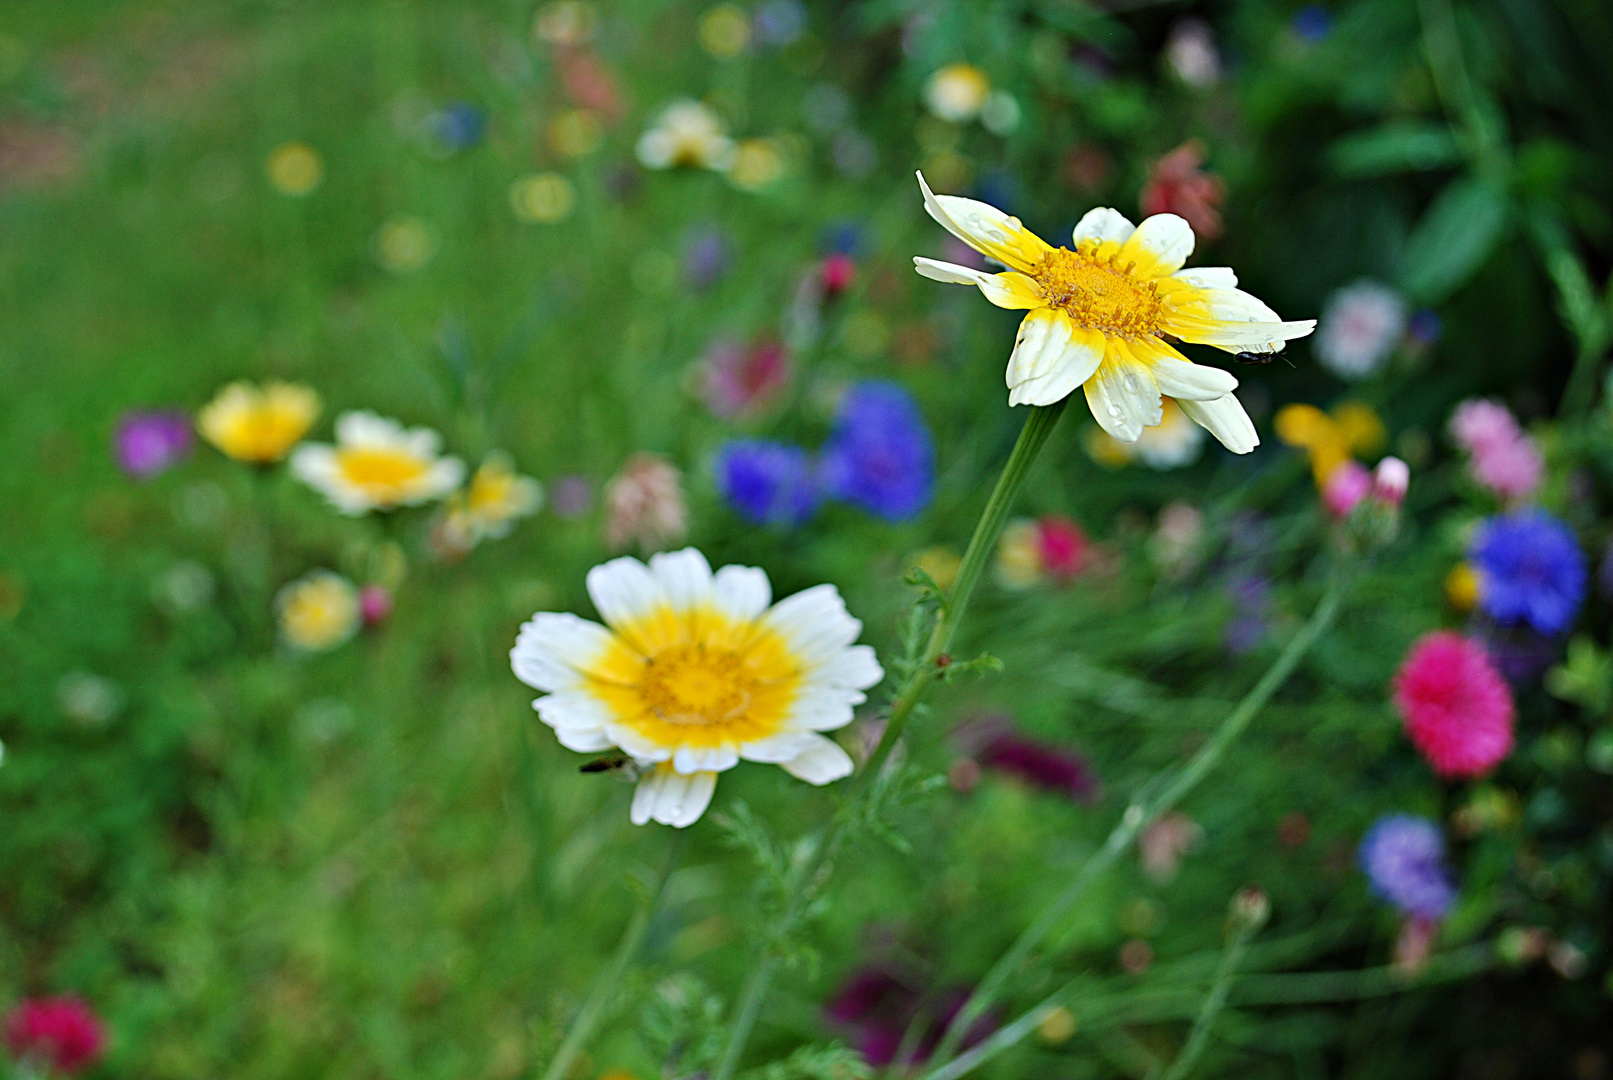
1530 570
879 454
769 483
571 496
877 1007
705 257
993 742
148 443
1404 860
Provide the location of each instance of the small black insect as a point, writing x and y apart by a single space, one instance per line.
1255 357
608 763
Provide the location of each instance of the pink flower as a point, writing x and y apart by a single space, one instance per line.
1501 456
1346 486
644 504
1176 185
1390 480
836 274
741 379
1162 845
1064 548
374 604
59 1034
1457 708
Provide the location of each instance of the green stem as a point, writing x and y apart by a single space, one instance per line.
1038 426
609 979
1138 816
1214 1001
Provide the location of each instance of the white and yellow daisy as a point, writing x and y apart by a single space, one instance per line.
318 611
957 92
377 464
694 671
258 424
489 506
686 133
1102 316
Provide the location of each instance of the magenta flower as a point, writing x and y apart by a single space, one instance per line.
1456 706
148 443
993 742
742 379
58 1035
877 1007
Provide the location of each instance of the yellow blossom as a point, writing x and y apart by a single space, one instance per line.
318 612
1462 587
489 506
295 168
258 424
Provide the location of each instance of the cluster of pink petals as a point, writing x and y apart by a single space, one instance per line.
62 1034
1348 484
1500 455
1456 706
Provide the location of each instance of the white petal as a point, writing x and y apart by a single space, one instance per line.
1237 322
693 759
855 669
1105 225
1124 398
776 749
1225 419
364 428
951 273
825 761
985 228
630 740
574 710
741 592
624 590
1208 277
1080 358
1038 345
1160 245
815 623
822 708
672 799
685 577
555 648
1190 382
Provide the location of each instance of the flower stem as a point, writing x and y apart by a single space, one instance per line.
609 979
1138 816
811 875
1199 1037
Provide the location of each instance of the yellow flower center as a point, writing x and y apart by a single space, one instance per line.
690 684
379 471
1097 294
698 678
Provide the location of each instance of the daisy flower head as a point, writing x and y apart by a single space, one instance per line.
489 506
688 134
377 464
1101 316
1457 708
259 424
319 611
1531 570
694 671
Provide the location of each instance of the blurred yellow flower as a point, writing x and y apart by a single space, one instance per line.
318 611
1462 587
688 134
1172 443
295 168
724 31
1330 441
576 132
1057 1026
405 244
542 198
757 163
941 563
568 22
957 92
1019 555
489 506
258 424
377 464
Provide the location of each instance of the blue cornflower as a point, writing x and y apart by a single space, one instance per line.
1312 22
768 482
1530 570
879 455
458 126
1404 860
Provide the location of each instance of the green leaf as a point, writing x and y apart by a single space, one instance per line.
1454 237
1402 146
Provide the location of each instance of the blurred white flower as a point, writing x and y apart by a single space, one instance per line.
1361 325
318 611
687 133
88 699
377 464
1190 51
957 92
644 504
489 506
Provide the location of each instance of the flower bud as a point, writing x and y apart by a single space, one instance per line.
374 604
836 275
1345 487
1390 481
1251 907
